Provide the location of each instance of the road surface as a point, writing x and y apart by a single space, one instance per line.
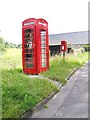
71 101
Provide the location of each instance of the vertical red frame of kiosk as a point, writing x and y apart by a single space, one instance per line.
35 48
43 46
63 46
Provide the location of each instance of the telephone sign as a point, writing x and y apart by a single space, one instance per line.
35 47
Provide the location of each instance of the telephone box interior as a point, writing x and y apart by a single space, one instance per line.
35 47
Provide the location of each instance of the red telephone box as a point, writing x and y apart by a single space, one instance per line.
63 46
35 47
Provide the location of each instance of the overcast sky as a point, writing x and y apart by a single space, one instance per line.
62 15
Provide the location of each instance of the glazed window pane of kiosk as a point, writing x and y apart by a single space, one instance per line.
43 48
35 48
29 51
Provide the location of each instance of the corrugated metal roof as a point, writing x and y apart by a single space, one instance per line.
71 38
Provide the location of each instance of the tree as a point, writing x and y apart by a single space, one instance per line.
19 45
2 45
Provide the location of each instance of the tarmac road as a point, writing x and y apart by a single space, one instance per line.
71 101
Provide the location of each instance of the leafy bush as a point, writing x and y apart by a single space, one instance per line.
87 47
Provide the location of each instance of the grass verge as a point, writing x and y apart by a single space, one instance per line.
20 93
60 69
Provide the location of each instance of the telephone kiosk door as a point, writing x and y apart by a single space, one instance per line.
29 61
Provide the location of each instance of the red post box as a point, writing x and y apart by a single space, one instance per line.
35 47
63 46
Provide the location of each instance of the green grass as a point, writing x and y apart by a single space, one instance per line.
60 69
11 59
88 55
20 93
